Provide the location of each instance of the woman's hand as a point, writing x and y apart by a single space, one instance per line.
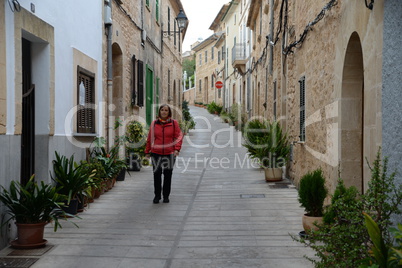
147 156
176 153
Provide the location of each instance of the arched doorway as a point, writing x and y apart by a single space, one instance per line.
352 120
117 97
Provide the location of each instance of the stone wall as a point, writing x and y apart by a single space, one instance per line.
188 95
320 60
391 89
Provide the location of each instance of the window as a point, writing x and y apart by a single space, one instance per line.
200 57
147 3
274 102
302 83
157 10
212 53
206 56
199 83
212 81
223 53
140 83
86 101
174 33
219 57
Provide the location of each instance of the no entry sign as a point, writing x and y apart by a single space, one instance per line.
219 84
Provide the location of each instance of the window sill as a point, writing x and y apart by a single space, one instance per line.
75 134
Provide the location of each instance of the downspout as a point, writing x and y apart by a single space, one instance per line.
109 66
271 35
225 77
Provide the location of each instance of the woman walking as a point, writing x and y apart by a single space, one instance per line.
163 145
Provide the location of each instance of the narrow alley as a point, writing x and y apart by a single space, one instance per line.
221 213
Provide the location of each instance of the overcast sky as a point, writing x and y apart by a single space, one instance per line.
201 14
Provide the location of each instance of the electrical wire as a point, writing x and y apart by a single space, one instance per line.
287 50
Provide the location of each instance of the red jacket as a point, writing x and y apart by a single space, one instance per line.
164 138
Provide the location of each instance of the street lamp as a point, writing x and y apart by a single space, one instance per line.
181 20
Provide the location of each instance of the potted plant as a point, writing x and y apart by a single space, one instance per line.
71 179
97 174
32 206
267 143
135 144
312 193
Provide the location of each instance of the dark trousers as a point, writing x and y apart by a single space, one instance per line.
162 164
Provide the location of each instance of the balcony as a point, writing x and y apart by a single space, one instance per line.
239 57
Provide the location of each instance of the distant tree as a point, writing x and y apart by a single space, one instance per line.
189 66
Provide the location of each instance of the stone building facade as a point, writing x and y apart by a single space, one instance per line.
207 67
322 66
147 64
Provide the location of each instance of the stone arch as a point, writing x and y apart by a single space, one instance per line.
351 115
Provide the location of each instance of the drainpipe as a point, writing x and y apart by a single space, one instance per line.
271 34
108 25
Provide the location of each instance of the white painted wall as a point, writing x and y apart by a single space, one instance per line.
77 24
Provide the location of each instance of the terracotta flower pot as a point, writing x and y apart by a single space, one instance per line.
273 174
30 235
308 222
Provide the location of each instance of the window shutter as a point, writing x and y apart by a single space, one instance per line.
140 87
86 112
157 10
133 82
168 20
302 82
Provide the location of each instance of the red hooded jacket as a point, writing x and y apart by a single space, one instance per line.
164 138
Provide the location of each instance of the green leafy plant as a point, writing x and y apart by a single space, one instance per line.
33 203
97 174
349 199
187 121
343 241
266 142
312 193
136 134
70 177
214 108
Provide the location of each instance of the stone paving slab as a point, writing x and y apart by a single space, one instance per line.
225 216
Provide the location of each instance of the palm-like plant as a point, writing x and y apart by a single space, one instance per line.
266 142
70 177
33 203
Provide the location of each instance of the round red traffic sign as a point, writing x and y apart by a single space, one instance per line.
219 84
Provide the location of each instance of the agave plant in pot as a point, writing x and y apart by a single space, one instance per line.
32 206
72 180
267 143
312 193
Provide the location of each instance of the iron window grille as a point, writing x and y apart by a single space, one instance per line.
302 83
